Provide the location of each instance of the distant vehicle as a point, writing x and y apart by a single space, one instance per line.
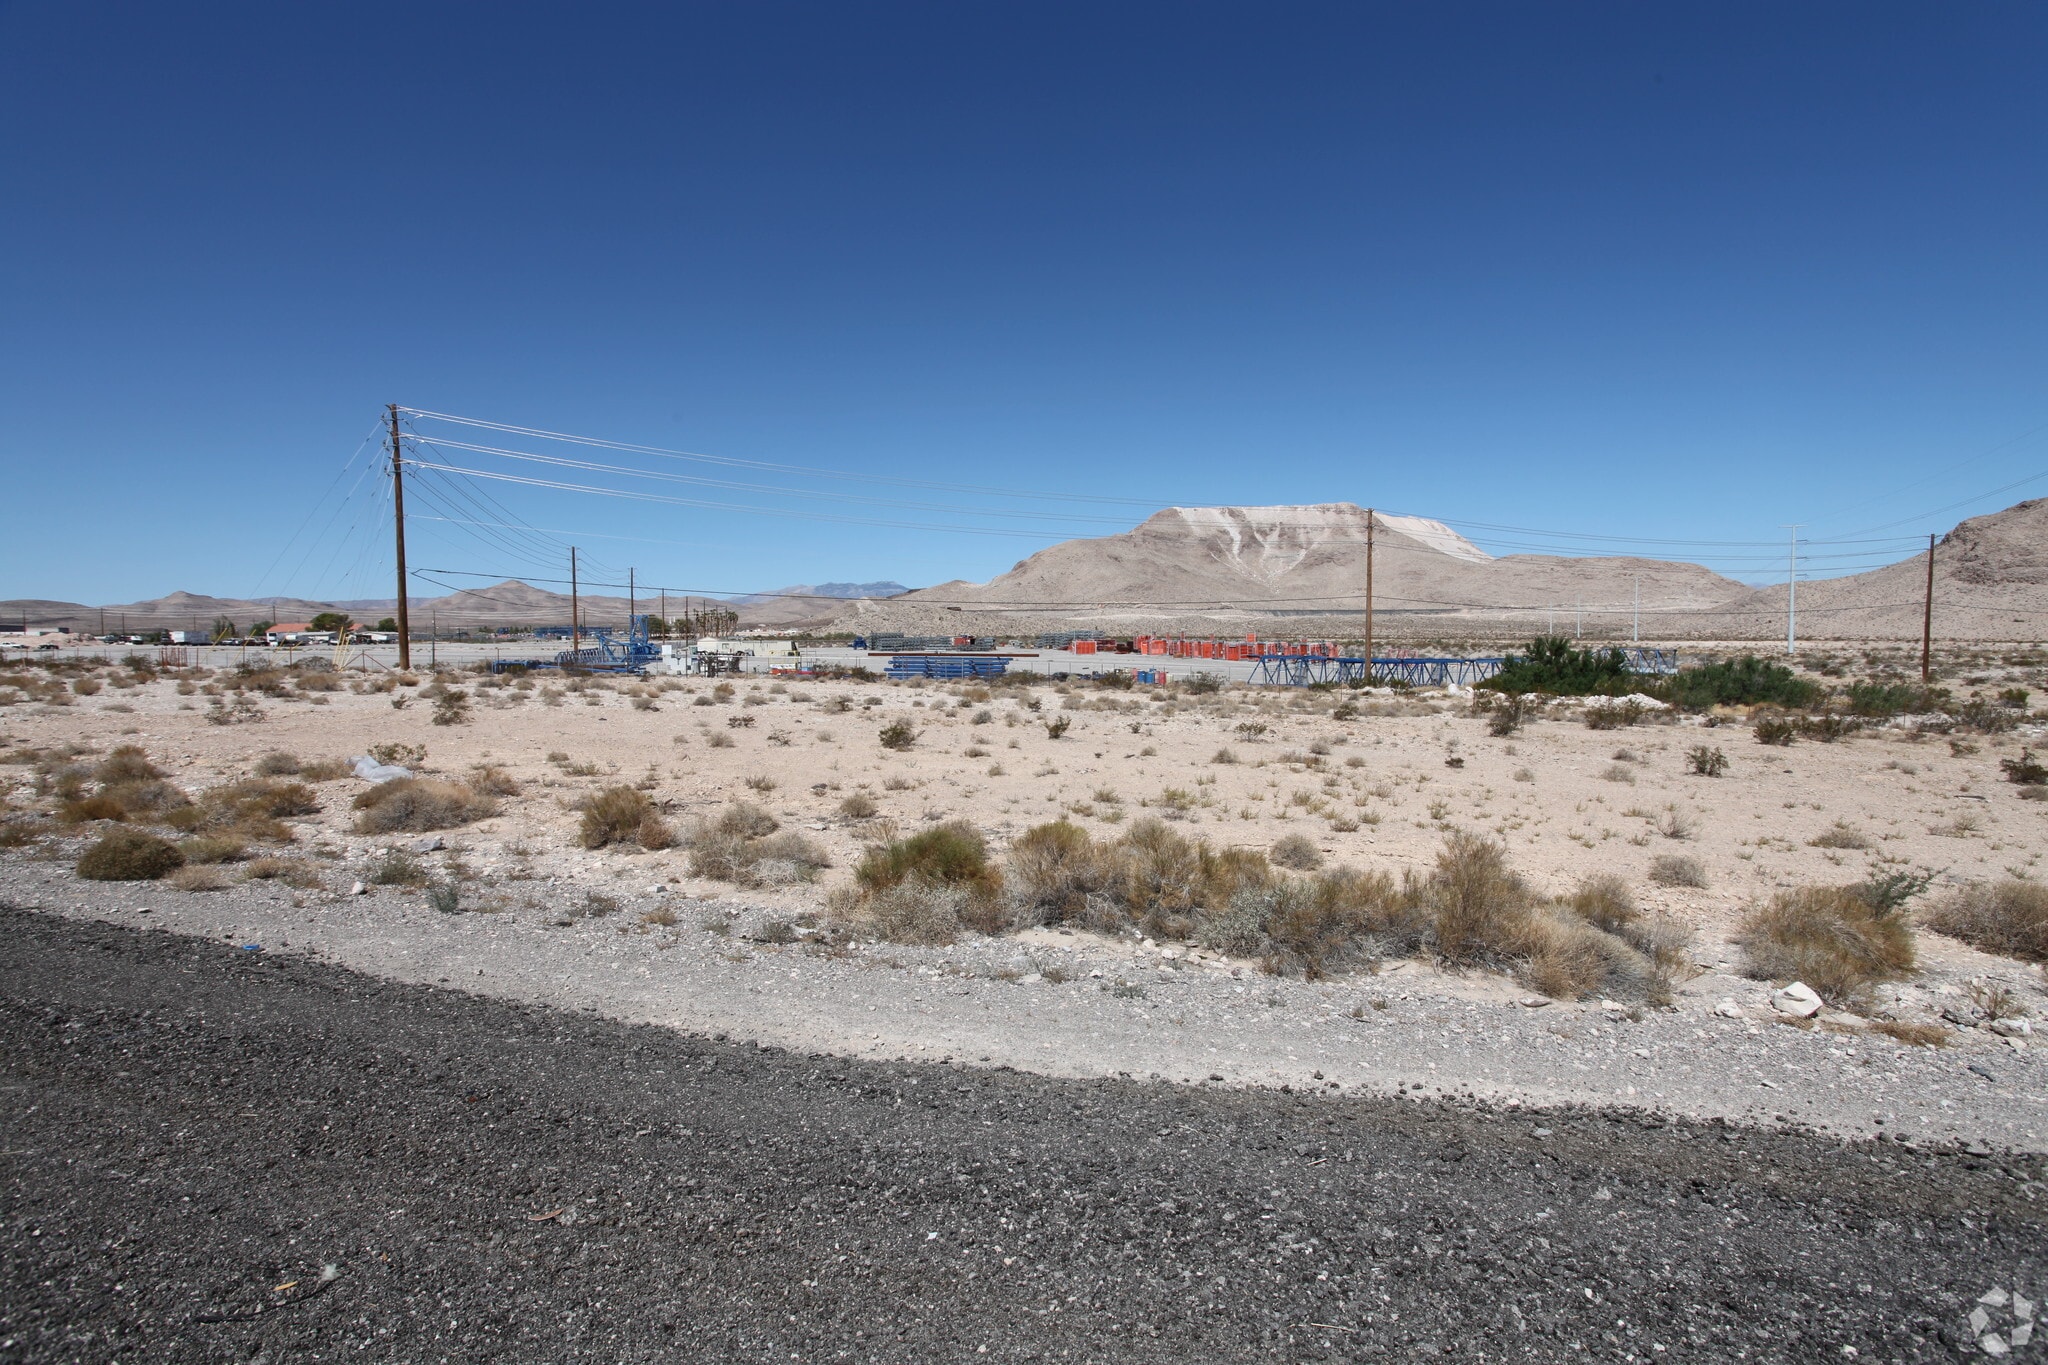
47 646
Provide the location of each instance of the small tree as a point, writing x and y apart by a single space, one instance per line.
388 624
330 620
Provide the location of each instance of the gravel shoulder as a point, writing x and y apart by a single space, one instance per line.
1123 1010
199 1133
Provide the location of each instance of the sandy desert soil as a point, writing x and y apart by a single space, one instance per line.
1372 790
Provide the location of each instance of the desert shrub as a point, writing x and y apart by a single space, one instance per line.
1890 891
1201 684
1775 731
1613 715
859 806
324 770
451 707
1881 699
153 797
85 687
1314 926
396 755
898 735
2026 770
784 859
198 878
278 763
1827 936
1828 727
268 797
1840 835
129 855
419 804
1704 761
125 764
1677 869
86 809
1223 756
398 868
1296 852
1553 667
913 911
1506 712
1747 681
1058 726
742 847
212 848
613 816
492 780
2009 918
1052 870
1603 901
952 854
1479 904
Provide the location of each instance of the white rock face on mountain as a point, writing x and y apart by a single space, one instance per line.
1312 558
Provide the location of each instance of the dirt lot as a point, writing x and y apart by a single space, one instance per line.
1374 781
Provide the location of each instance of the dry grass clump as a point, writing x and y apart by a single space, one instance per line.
324 769
859 806
419 804
278 763
204 849
1829 937
1677 869
193 877
622 815
1840 835
129 855
742 847
2009 918
128 763
1297 852
492 780
87 809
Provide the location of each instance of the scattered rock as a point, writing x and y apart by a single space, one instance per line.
358 889
2012 1028
1797 1000
1728 1009
431 844
1536 1002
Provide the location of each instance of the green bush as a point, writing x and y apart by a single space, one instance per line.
1553 667
1747 681
1878 699
129 855
952 854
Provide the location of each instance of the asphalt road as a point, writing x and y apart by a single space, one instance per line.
195 1135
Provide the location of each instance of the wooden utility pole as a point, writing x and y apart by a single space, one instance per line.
1368 596
398 513
1927 616
575 625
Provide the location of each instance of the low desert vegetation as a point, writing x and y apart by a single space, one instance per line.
418 804
1551 666
1677 869
622 815
743 846
2008 917
1833 938
1746 681
129 855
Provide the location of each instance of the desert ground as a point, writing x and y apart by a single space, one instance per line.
513 902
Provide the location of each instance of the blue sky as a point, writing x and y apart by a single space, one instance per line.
1679 273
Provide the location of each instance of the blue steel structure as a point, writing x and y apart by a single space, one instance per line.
947 666
604 652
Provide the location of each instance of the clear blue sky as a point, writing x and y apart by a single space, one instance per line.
1678 272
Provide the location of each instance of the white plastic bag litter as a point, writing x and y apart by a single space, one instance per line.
370 770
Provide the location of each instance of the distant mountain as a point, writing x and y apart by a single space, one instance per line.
1312 558
1990 582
